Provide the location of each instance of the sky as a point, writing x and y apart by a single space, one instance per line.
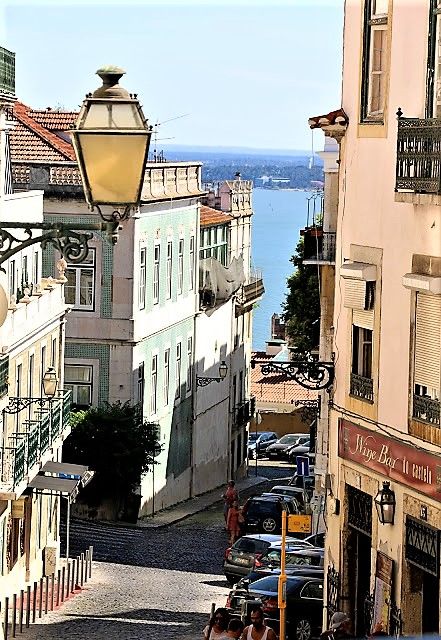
240 72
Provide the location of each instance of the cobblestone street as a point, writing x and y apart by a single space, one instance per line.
147 583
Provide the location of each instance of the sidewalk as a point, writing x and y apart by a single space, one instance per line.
195 505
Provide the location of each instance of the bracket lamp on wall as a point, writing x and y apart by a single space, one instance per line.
385 504
203 381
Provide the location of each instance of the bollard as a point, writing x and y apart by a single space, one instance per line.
82 569
90 560
14 611
20 612
78 572
46 594
86 565
63 573
40 599
58 587
28 605
72 586
6 618
34 602
68 579
52 590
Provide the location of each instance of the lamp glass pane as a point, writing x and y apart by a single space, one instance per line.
113 115
114 164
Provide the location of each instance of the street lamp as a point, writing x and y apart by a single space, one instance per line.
50 382
385 504
203 381
111 140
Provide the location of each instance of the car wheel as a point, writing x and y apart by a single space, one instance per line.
269 525
231 580
303 630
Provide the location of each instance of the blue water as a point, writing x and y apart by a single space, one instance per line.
278 218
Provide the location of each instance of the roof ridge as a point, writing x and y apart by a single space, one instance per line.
65 148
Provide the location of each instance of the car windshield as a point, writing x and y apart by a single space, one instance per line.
262 506
252 437
288 439
251 545
269 584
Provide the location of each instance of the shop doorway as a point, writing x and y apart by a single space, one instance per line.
430 604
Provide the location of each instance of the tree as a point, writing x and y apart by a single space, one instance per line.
114 441
301 310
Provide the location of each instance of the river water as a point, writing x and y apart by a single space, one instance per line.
278 218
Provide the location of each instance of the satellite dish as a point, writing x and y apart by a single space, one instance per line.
3 305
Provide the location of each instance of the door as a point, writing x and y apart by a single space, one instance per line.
430 604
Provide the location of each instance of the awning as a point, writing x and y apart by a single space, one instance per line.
49 484
62 469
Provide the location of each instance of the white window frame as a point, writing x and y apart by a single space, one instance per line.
166 378
181 247
12 278
178 370
189 364
192 267
77 268
379 74
360 341
74 385
169 269
141 383
154 384
156 272
142 277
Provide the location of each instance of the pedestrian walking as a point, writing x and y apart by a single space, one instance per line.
216 629
229 496
258 630
235 628
233 522
339 628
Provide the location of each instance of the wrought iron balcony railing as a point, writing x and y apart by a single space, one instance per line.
244 412
318 246
427 410
26 446
361 387
418 166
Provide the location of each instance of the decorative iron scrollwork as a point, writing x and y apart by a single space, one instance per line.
310 409
310 374
16 405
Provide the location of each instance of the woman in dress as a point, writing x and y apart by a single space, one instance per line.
217 627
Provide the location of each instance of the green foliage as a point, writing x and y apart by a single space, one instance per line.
301 310
114 442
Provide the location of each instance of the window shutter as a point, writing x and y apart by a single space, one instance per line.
364 319
355 294
428 341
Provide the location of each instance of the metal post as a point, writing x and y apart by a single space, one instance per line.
14 612
67 528
77 581
68 579
34 602
46 595
72 582
63 573
52 590
281 591
90 560
6 618
58 587
40 599
20 612
86 564
82 569
28 605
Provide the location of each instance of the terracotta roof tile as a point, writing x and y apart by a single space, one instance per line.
31 141
54 120
337 117
275 388
211 217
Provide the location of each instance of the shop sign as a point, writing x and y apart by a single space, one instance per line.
383 593
390 457
299 523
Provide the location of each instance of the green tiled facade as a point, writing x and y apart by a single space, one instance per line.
100 352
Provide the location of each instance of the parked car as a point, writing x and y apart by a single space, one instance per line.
294 504
258 446
304 604
298 450
288 491
241 556
278 450
299 560
317 539
297 481
264 513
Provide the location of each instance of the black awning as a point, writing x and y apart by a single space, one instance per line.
50 484
79 471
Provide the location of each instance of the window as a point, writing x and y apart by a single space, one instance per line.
42 367
142 278
12 279
214 243
241 388
433 81
54 352
375 46
24 272
313 590
234 390
362 351
181 266
36 269
31 375
79 289
141 384
169 268
178 370
427 372
189 364
157 257
154 385
166 380
78 379
4 375
191 263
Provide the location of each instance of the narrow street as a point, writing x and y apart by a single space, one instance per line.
147 583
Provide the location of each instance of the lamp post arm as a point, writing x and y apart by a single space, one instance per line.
71 240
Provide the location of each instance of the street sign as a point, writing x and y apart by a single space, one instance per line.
302 463
299 523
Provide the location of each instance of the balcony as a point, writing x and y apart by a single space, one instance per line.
244 412
253 290
318 246
362 388
418 162
426 410
27 446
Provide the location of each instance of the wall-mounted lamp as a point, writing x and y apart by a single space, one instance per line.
203 381
385 504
